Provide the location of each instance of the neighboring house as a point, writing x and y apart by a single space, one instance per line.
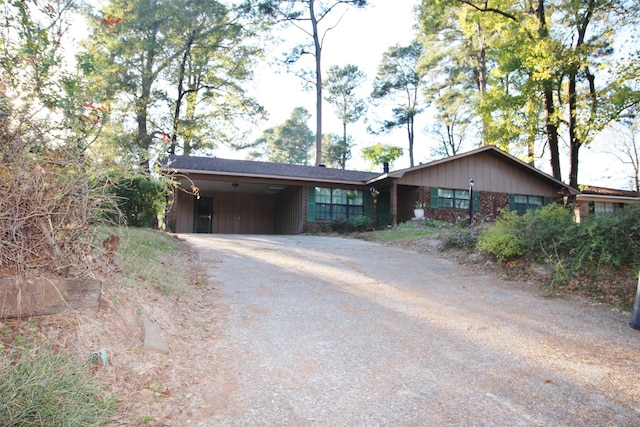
247 197
598 200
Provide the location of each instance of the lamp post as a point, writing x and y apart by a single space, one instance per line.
470 201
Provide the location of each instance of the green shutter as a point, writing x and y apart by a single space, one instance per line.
512 202
311 204
434 197
368 204
476 201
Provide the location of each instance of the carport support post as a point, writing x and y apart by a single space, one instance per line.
635 316
470 201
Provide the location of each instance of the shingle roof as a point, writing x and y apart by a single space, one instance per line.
218 166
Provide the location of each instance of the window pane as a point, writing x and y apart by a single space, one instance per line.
356 198
323 195
444 192
339 196
355 211
445 203
323 211
519 199
535 200
462 204
462 194
339 212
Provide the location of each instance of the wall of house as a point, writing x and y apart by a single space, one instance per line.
289 210
241 213
490 173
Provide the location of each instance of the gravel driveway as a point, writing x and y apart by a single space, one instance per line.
330 331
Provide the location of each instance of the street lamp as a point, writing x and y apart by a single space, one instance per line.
470 201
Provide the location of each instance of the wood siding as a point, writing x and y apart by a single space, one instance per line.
289 210
233 213
489 172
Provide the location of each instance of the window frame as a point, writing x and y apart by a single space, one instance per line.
522 207
459 199
341 204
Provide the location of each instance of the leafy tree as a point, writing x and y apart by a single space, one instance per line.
311 17
379 154
552 68
454 62
140 200
400 78
336 150
214 63
341 84
290 142
138 49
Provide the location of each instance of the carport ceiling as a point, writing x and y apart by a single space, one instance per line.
237 187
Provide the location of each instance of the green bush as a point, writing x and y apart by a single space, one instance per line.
140 200
357 223
549 234
608 240
45 388
361 223
505 239
546 230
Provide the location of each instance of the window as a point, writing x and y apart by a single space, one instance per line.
453 199
522 203
598 208
338 203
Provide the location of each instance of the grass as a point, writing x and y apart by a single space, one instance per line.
149 257
407 231
40 387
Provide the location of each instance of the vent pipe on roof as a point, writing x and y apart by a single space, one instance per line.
385 167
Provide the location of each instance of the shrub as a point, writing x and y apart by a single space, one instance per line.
460 239
546 230
358 223
140 200
361 223
608 240
504 239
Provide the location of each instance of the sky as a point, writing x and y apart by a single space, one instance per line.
361 37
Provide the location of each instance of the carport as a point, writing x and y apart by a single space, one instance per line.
249 197
237 206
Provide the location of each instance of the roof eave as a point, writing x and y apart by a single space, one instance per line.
263 176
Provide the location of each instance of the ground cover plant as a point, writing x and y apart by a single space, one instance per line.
51 372
597 258
43 387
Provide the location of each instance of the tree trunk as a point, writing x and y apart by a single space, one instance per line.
318 50
574 142
181 93
550 126
410 134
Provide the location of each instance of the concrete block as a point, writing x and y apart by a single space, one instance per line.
153 338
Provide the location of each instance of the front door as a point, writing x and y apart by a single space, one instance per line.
203 220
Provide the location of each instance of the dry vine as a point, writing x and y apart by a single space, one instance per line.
48 199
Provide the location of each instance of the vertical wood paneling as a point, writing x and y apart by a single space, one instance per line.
289 211
489 172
